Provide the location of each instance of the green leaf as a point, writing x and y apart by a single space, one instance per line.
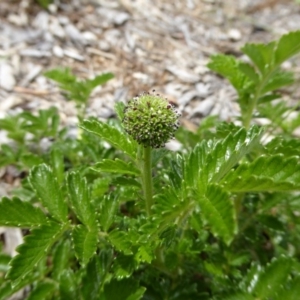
112 135
68 286
126 289
35 247
272 278
44 290
274 173
57 163
119 108
260 54
218 210
30 160
47 189
210 161
115 166
278 80
80 198
98 80
96 272
60 260
17 213
292 292
121 241
60 75
6 289
85 243
249 71
124 266
228 66
4 260
288 46
108 208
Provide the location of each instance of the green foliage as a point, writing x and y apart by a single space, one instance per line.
47 189
105 218
17 213
255 84
77 90
112 135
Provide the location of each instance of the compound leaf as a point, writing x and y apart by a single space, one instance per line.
210 161
47 189
85 243
112 135
33 249
17 213
260 54
274 173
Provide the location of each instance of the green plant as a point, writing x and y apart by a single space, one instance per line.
76 89
217 220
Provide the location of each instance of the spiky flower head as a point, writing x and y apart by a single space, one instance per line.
151 120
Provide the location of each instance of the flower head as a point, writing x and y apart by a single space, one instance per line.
151 120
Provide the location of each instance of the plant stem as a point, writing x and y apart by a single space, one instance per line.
249 114
147 178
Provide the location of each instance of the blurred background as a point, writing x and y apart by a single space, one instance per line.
147 44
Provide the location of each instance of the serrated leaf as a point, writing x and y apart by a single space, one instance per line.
47 189
115 166
218 210
44 290
288 46
121 241
272 278
277 81
17 213
112 135
85 243
260 54
119 108
35 247
228 66
108 208
210 161
274 173
80 198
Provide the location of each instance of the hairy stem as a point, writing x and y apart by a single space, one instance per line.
147 178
